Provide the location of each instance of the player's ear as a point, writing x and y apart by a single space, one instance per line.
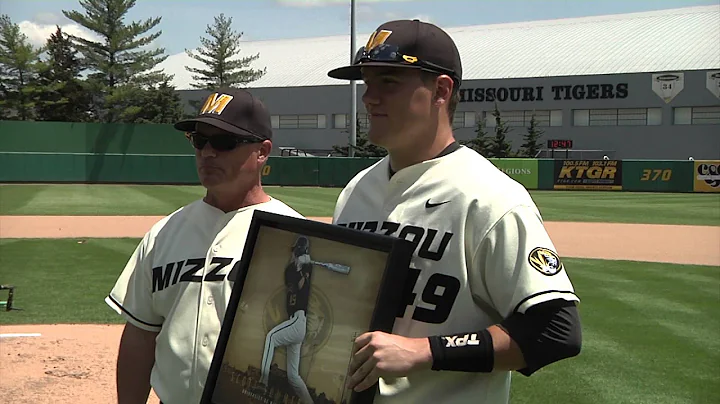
264 151
443 90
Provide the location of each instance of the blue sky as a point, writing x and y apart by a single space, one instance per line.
184 21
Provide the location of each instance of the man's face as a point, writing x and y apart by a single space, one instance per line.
237 168
399 105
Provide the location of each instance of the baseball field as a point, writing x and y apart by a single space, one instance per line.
646 266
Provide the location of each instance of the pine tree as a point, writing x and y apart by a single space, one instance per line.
156 103
218 54
363 147
18 69
62 95
531 147
499 146
120 64
480 143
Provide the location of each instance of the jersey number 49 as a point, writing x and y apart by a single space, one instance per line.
440 291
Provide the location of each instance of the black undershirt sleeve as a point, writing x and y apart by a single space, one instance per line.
547 332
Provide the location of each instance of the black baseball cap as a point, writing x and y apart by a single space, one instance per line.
233 110
406 43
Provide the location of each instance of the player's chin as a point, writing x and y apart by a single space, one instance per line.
379 136
211 178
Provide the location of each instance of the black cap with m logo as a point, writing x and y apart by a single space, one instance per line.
406 43
233 110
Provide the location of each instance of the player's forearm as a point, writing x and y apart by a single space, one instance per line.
136 358
507 353
547 333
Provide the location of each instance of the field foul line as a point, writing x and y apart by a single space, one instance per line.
20 335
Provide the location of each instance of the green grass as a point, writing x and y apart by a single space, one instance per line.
159 200
651 332
61 281
629 207
151 200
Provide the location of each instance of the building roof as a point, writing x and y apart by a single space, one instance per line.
665 40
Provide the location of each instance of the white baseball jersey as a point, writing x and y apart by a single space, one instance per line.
178 282
481 253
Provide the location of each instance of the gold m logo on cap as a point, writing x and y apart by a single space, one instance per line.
216 104
377 38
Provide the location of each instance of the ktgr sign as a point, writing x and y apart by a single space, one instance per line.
540 93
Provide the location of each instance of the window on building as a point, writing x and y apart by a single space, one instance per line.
522 118
343 120
464 119
340 121
298 121
697 116
617 117
458 120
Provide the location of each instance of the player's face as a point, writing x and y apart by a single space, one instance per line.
232 169
399 104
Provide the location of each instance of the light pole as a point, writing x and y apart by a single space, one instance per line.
353 86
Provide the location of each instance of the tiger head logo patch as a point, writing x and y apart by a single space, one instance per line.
545 261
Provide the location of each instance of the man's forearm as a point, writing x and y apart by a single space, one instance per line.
136 358
507 353
527 342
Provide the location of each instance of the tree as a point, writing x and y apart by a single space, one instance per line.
531 147
119 64
499 146
61 94
18 68
217 55
480 143
363 147
152 103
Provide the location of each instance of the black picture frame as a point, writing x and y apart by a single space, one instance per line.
367 298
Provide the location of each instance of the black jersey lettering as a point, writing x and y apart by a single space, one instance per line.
412 234
427 243
371 227
438 291
221 262
161 278
390 228
178 267
196 264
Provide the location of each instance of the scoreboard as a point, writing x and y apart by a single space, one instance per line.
559 144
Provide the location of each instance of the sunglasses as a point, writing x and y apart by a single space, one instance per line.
392 54
220 142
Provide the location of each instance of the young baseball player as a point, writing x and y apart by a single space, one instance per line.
174 290
291 332
487 292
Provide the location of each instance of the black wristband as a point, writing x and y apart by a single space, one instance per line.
471 352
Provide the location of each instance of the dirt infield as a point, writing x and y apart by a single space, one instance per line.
76 363
637 242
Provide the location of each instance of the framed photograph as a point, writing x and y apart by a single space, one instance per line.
303 292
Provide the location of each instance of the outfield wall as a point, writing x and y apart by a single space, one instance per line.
56 152
546 174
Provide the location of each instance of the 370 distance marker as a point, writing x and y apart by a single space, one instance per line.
656 174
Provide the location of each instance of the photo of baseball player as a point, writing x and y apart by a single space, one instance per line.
304 300
291 332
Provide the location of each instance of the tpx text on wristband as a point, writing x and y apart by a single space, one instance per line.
466 352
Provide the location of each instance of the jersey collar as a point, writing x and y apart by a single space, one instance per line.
449 149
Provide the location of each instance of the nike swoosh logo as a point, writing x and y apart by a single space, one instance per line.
429 204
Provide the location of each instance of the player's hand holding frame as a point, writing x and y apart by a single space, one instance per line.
378 354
